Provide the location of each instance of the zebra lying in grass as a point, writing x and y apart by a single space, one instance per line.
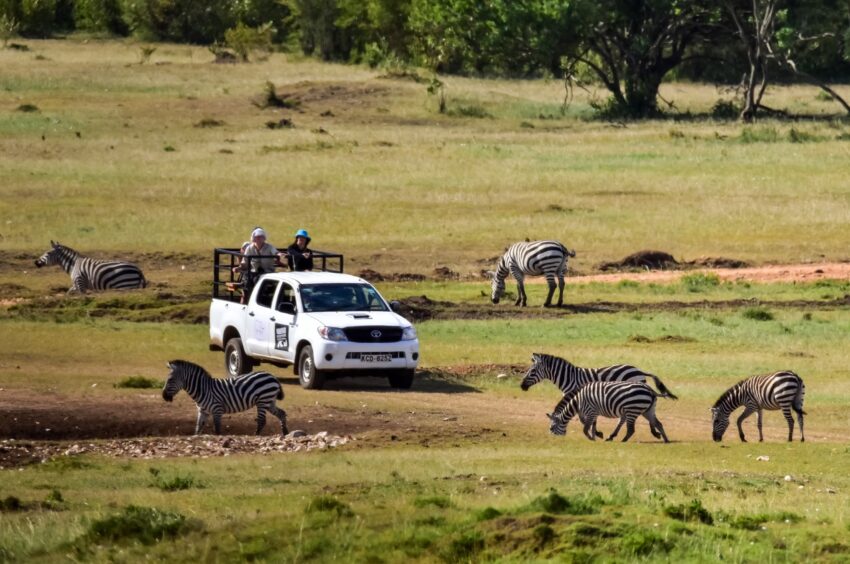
625 400
781 390
92 274
216 396
535 258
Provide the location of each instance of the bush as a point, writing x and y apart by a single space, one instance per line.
724 110
139 382
553 502
246 40
180 20
144 524
757 314
99 15
694 511
38 17
759 135
700 281
175 483
329 504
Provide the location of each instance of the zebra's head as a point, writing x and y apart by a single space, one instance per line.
719 424
557 425
174 383
497 286
51 257
534 374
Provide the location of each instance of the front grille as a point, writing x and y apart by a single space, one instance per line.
357 355
373 334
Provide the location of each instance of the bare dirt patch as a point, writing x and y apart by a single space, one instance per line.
766 273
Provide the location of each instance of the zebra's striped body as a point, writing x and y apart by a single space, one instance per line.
216 397
781 390
92 274
535 258
570 378
624 400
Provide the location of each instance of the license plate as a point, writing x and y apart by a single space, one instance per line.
375 358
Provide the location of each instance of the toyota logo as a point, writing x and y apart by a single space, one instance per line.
376 334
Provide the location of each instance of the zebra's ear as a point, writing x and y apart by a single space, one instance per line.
550 416
535 357
52 244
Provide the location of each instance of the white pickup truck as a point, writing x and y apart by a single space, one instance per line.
325 324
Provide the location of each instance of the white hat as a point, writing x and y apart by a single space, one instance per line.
258 232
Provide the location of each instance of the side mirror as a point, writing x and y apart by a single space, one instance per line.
395 305
286 307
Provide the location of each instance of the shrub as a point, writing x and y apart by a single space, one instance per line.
694 511
553 502
99 15
759 135
757 314
9 27
488 513
725 109
329 504
180 20
139 382
246 40
38 17
643 542
797 136
28 108
472 110
144 524
11 503
436 501
700 281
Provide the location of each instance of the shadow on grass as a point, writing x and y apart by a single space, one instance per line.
425 381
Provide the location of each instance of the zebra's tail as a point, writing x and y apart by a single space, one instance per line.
798 398
280 392
665 392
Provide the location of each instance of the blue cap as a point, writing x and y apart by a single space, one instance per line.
302 233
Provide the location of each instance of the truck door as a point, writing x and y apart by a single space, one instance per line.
285 314
261 318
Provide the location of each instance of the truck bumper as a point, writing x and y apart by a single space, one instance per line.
329 355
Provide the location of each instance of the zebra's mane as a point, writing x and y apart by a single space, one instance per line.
725 395
185 364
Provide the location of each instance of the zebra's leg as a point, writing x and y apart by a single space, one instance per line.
217 421
588 428
280 414
560 289
261 417
550 281
655 425
630 428
521 298
747 412
758 420
786 411
800 421
616 429
202 419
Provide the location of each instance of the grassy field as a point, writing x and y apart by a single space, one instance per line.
121 158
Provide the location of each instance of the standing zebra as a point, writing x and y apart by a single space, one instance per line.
216 397
781 390
535 258
92 274
626 400
569 377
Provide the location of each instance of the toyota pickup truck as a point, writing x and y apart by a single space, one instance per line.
324 324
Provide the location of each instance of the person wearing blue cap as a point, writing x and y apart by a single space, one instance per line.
299 256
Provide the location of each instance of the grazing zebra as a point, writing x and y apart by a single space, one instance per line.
626 400
215 396
780 390
569 377
535 258
92 274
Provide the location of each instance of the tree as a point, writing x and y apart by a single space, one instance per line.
631 45
774 36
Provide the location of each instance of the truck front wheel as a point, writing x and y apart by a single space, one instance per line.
311 377
403 379
236 362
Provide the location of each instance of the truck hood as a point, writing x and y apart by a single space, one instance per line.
344 319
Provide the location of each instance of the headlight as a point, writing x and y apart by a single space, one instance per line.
332 333
408 334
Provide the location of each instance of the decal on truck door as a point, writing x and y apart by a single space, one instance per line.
281 337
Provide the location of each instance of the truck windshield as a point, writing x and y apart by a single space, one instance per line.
341 297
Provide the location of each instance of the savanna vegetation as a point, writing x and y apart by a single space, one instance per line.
154 153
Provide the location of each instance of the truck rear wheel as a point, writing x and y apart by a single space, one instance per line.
403 379
236 362
311 378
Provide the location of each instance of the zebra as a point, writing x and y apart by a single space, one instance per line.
781 390
535 258
92 274
626 400
215 396
569 377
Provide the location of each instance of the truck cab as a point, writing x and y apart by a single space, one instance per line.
324 324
